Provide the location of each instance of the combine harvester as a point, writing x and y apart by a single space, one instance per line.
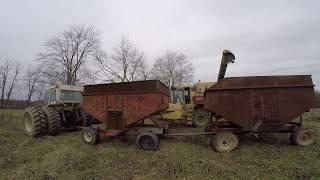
186 105
237 105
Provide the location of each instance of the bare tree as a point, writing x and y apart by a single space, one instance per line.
9 72
41 87
4 70
173 69
67 52
145 72
32 77
126 63
13 81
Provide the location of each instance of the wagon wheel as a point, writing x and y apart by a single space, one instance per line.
34 122
147 141
303 137
224 142
90 135
200 118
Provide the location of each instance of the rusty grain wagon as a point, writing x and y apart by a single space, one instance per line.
123 106
259 104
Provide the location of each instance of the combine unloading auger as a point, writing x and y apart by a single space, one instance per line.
227 57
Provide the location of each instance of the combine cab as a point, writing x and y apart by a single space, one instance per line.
186 104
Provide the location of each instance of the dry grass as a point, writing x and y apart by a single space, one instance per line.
67 157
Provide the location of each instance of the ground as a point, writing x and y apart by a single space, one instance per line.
67 157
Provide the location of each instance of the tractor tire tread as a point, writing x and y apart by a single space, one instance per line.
54 120
39 121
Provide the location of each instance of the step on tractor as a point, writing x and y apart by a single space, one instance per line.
186 104
62 111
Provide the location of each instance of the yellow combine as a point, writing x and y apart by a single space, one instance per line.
186 104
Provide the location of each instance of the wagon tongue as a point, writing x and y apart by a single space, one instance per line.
227 57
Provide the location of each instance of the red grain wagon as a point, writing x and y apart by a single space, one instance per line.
123 106
259 104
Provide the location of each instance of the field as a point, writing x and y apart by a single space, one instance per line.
67 157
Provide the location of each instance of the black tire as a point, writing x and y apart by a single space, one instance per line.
34 122
224 142
53 120
86 119
201 118
147 141
291 139
90 135
303 137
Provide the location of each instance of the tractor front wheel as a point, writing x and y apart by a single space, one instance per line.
147 141
34 122
303 137
224 142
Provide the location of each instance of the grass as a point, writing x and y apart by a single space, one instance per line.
67 157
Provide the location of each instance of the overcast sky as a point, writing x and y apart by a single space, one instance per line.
267 37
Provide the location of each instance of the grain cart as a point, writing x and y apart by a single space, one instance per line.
62 110
259 104
123 107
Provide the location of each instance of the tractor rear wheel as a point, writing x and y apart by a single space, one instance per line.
147 141
90 135
224 142
34 121
303 137
53 120
200 118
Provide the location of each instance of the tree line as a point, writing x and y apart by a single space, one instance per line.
75 57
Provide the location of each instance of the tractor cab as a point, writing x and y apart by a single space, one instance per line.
63 94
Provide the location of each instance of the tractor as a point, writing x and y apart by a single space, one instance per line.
62 111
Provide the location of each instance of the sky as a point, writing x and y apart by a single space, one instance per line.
274 37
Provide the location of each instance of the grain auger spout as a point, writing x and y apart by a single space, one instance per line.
227 57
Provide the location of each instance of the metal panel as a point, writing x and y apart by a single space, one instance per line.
133 101
127 87
114 120
272 100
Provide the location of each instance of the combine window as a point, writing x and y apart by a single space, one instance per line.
178 96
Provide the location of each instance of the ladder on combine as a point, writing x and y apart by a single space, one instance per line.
188 114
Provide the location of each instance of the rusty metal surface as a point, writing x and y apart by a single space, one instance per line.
127 87
198 100
272 100
122 104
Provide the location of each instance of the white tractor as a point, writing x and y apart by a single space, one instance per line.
62 110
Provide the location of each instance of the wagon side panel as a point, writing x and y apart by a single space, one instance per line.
233 105
96 106
295 101
264 106
140 106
